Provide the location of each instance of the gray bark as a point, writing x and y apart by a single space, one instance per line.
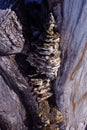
17 101
11 36
71 84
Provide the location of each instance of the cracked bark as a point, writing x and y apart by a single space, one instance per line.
16 99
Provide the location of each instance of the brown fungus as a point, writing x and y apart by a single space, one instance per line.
45 57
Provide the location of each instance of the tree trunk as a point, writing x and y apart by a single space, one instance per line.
18 104
71 93
16 99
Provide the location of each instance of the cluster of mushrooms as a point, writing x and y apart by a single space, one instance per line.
45 57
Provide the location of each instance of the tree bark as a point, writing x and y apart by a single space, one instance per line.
16 99
71 92
18 105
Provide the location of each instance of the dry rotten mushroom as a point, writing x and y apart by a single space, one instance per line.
45 57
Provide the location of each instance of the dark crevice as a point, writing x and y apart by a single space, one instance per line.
23 65
86 127
32 17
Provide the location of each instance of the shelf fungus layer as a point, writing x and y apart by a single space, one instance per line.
45 57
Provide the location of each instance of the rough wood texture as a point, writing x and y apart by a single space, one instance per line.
11 37
71 85
16 97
